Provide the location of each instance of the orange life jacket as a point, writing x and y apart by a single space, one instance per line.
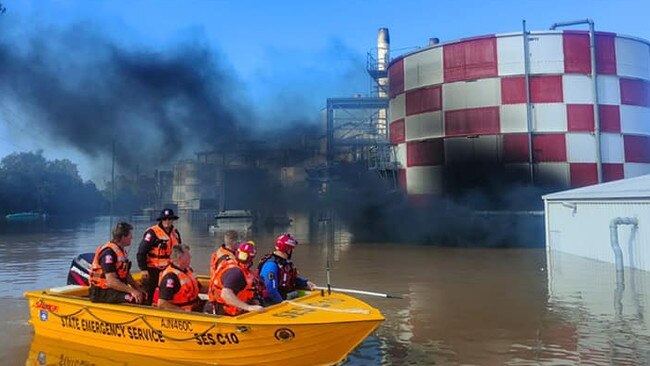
218 257
158 255
122 264
188 295
246 295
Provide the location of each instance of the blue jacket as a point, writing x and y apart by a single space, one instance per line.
270 273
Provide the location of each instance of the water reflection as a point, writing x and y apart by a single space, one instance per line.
461 306
45 351
604 316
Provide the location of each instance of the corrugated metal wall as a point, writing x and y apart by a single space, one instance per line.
582 228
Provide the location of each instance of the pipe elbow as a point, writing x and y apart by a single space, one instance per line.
623 221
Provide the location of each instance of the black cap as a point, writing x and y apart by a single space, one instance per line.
167 213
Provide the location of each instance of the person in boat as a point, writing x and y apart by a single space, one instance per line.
155 249
178 287
225 251
110 279
279 274
234 287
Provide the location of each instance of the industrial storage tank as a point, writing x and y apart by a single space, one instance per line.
195 185
463 102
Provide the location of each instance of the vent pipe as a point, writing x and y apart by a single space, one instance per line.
613 238
383 58
383 48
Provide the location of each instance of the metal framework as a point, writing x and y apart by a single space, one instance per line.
352 125
353 135
357 127
376 72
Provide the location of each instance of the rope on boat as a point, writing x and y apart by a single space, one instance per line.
113 323
349 311
139 317
69 315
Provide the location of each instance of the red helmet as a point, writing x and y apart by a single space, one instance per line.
246 252
285 243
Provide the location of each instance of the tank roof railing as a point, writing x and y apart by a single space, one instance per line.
571 22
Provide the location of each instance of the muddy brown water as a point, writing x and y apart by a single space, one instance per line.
460 306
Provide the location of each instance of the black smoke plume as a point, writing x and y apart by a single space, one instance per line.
86 90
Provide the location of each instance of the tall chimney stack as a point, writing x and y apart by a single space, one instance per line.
383 57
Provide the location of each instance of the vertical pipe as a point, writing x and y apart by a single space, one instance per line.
594 81
329 154
383 57
110 222
383 51
547 231
529 112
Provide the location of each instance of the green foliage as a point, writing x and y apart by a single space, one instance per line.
29 182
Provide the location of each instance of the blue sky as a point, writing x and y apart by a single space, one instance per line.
288 56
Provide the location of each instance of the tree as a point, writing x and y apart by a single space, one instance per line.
29 182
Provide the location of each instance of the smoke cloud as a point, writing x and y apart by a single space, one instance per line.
86 90
477 217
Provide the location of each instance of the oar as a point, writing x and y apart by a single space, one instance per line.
360 292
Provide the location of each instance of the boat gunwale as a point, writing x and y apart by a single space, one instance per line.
374 316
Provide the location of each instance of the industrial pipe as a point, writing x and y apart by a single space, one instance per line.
594 85
571 22
529 112
613 237
618 257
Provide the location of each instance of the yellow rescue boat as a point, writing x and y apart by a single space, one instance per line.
315 329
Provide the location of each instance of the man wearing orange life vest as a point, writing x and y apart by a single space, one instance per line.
110 279
225 251
234 287
178 287
155 249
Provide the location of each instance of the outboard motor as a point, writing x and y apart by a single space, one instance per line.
80 269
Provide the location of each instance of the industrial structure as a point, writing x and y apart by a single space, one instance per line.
356 127
237 177
553 108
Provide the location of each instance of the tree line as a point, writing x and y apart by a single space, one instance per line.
30 182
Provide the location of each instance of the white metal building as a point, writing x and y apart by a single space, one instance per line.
609 222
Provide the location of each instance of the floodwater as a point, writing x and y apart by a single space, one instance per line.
460 306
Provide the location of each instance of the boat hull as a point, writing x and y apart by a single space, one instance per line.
25 216
312 330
